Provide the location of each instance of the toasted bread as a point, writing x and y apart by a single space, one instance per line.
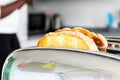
67 39
79 38
99 39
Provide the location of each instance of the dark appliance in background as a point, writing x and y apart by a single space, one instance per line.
56 22
38 23
41 23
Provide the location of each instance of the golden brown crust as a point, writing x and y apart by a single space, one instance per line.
103 39
74 38
68 39
98 38
82 30
62 30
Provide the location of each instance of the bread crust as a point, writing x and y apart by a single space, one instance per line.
99 39
67 39
74 38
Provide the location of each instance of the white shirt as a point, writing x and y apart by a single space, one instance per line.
10 23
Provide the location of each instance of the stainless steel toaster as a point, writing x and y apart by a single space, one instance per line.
45 63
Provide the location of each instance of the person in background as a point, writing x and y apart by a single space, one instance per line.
9 19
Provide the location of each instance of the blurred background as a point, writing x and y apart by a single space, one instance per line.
43 16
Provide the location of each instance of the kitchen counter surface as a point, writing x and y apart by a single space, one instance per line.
107 31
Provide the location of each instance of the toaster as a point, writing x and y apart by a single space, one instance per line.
44 63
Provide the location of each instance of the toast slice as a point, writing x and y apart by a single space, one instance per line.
99 39
67 39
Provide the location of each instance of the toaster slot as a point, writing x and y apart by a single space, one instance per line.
113 44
